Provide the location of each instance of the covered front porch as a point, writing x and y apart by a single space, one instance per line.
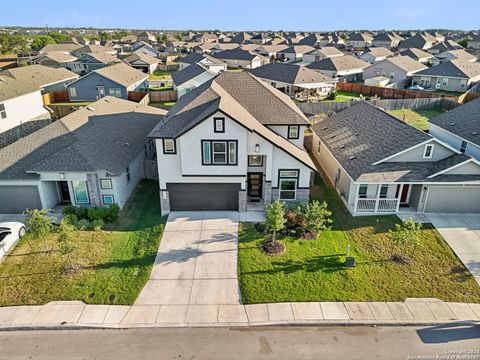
386 198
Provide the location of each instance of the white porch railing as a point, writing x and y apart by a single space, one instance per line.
376 205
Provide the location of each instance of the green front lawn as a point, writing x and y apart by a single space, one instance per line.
312 270
344 96
163 104
116 262
161 75
417 118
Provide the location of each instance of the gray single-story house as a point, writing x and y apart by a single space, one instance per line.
94 156
379 164
115 80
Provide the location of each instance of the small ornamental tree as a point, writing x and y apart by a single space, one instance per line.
317 216
39 225
66 234
275 218
406 234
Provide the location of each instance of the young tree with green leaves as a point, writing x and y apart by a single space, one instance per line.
316 215
406 234
275 218
39 225
66 235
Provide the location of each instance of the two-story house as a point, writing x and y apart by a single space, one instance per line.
232 143
381 165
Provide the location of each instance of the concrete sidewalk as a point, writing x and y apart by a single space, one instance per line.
78 314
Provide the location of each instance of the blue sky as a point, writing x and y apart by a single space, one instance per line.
305 15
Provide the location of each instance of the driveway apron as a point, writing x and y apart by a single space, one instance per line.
196 263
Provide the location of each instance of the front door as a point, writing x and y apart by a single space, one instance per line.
404 196
64 192
101 91
254 186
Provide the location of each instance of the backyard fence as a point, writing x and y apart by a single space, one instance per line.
55 97
139 97
162 96
149 170
388 92
386 104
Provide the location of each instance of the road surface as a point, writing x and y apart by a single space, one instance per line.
448 342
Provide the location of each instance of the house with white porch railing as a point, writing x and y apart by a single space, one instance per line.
381 165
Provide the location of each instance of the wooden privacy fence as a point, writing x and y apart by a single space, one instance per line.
55 97
63 110
388 92
162 96
468 96
387 104
139 97
149 170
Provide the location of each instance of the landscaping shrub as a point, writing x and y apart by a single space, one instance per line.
81 217
69 210
97 225
83 224
316 217
113 212
332 95
96 213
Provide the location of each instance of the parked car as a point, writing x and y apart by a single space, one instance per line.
416 87
10 233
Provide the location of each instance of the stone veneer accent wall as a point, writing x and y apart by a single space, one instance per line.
94 190
267 192
303 195
242 201
164 202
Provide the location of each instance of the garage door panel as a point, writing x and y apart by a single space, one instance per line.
196 196
15 199
461 199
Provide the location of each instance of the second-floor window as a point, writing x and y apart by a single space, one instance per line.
3 112
463 147
219 152
428 152
169 146
219 125
293 132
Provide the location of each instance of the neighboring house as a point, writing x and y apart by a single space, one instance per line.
455 75
20 102
204 48
232 143
189 59
260 39
206 61
146 63
115 80
223 46
313 40
205 38
418 41
92 61
441 47
94 156
296 80
347 68
320 54
358 40
61 48
378 81
55 60
474 42
386 40
240 58
47 79
418 55
241 38
460 128
456 54
399 69
379 164
270 51
376 54
294 53
146 36
190 78
145 48
94 49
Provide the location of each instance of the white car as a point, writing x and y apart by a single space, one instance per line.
10 233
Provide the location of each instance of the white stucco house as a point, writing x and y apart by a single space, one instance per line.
232 143
190 78
94 156
20 101
381 165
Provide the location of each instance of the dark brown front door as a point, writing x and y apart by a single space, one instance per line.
403 198
255 186
64 193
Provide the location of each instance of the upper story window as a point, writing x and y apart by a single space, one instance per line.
255 160
169 146
428 151
3 112
362 191
293 131
219 152
463 147
219 124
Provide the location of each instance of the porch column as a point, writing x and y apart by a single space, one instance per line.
356 199
379 186
399 197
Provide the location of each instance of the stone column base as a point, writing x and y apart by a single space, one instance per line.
242 201
164 202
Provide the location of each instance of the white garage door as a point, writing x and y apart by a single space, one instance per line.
458 199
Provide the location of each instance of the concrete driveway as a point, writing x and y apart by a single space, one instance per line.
462 233
196 263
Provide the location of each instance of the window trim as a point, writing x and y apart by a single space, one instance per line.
117 91
431 146
290 127
75 193
463 149
106 187
257 165
174 146
108 195
215 119
227 143
296 178
383 186
360 195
